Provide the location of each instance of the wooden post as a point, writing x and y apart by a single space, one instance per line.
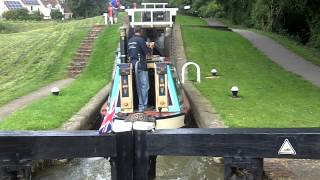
153 167
123 44
144 164
122 165
243 168
141 158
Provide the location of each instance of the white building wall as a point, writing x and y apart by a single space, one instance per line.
2 8
32 8
44 10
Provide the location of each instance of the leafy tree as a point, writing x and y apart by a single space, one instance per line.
56 15
87 8
298 18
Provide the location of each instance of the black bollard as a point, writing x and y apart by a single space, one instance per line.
243 168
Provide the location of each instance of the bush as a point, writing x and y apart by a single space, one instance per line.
261 15
22 14
209 10
56 15
5 28
315 34
18 14
37 16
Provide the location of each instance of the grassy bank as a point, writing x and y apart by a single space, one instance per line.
36 57
7 27
51 112
190 20
270 96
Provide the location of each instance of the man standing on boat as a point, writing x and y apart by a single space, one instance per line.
138 50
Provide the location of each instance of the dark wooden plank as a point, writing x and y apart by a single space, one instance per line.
36 145
122 165
254 143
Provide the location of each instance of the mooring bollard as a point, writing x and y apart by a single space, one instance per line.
243 168
144 164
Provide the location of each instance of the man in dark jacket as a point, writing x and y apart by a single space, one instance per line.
138 50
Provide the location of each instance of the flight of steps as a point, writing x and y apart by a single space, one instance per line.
83 54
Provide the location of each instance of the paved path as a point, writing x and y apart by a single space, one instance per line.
12 106
282 56
279 54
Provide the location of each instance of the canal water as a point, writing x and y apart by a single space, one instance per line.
168 168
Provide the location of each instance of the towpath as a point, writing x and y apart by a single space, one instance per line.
279 54
275 168
19 103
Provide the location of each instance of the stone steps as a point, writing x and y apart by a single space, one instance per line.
84 51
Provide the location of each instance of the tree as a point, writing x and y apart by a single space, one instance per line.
56 15
87 8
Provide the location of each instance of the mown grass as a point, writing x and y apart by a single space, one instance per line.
190 20
37 57
7 27
270 95
51 112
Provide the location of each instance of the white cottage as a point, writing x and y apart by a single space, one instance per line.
9 5
44 6
47 6
31 5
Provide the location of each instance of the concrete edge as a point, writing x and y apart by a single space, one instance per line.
201 108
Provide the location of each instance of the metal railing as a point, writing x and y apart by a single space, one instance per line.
154 5
152 17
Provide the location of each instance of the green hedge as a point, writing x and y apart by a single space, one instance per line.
22 14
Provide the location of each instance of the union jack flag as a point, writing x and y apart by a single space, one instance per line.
106 126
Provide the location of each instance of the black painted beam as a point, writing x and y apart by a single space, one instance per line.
35 145
251 143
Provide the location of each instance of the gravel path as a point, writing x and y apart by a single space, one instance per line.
19 103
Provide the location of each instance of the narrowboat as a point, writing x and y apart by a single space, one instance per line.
169 104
